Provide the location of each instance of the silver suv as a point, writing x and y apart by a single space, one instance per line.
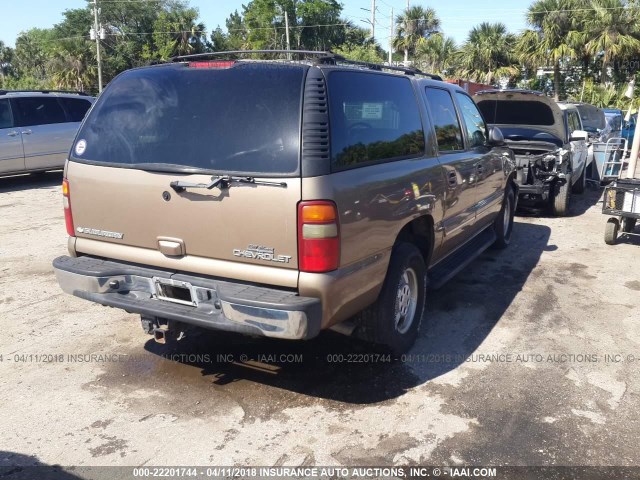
38 127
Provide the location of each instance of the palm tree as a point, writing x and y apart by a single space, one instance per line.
609 28
414 26
437 52
6 57
549 40
488 53
177 33
73 68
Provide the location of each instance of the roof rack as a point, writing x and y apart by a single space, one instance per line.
4 92
380 67
321 58
523 91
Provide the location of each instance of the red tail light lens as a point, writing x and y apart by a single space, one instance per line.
318 237
66 200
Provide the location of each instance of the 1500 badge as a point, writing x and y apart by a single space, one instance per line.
258 252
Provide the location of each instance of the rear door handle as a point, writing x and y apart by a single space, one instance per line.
27 132
12 134
453 179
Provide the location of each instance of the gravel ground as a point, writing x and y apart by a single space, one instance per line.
531 357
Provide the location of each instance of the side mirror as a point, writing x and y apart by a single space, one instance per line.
496 139
578 135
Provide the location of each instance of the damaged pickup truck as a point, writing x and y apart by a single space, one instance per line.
548 141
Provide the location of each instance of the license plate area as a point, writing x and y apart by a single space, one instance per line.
175 292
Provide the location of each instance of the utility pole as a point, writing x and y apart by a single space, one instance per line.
286 23
391 39
98 33
406 26
373 21
635 150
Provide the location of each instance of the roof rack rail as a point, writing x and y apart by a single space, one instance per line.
4 92
380 67
321 58
199 56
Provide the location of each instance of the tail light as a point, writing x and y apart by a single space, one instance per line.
318 237
213 64
66 200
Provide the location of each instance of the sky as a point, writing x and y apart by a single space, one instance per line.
457 16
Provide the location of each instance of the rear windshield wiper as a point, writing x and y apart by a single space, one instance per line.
223 182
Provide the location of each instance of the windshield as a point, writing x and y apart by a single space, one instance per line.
243 119
592 118
614 121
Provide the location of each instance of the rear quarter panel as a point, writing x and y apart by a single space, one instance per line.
374 204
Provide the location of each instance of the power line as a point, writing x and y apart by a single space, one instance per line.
130 1
300 27
176 32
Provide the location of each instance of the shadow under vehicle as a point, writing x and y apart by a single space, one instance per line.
340 368
16 466
15 183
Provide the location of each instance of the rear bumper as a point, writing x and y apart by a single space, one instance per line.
217 304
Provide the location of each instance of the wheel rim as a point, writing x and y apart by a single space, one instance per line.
506 220
406 300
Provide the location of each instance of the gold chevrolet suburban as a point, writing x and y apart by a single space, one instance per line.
281 197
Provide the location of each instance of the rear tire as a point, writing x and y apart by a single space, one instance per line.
628 224
561 199
503 225
611 231
580 185
393 321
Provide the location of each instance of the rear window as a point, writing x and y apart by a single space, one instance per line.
516 112
244 119
6 120
373 118
76 108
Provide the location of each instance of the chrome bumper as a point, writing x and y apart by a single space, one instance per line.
214 304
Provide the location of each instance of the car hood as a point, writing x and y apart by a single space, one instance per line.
530 110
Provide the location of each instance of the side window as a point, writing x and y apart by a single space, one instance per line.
76 108
38 111
6 120
476 128
445 120
373 118
574 121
